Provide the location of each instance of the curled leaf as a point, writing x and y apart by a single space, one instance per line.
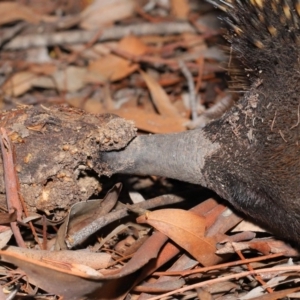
186 229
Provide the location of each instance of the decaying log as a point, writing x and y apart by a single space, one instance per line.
57 153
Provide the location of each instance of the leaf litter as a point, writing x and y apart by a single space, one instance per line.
77 235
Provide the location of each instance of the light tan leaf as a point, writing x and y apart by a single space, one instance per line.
247 226
70 79
186 229
14 11
160 98
180 8
102 12
5 236
112 67
277 295
19 83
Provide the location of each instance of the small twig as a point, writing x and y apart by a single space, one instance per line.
120 260
44 221
11 185
212 113
74 56
192 94
153 60
298 120
82 36
219 266
36 238
228 278
218 109
12 295
10 182
200 63
205 31
282 135
148 17
85 232
273 122
256 276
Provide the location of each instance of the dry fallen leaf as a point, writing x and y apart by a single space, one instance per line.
112 67
19 83
277 295
186 229
180 8
160 98
102 12
265 246
83 215
14 11
6 218
5 235
247 226
150 122
47 271
70 79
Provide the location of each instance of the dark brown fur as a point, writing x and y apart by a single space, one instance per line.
251 156
259 163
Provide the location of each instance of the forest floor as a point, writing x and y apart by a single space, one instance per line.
160 64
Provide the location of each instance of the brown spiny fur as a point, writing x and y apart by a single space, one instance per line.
258 166
251 156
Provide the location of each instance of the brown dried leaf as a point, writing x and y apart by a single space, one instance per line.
112 67
160 98
53 272
272 246
73 281
186 229
151 122
6 218
180 8
43 68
